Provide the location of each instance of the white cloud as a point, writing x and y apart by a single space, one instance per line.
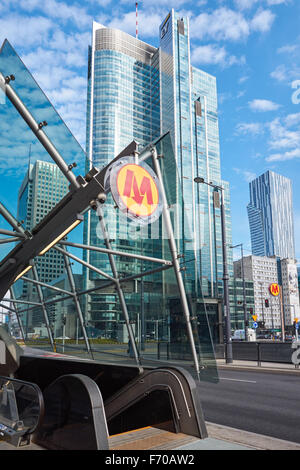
292 119
245 4
243 79
289 155
148 24
212 54
288 49
262 21
280 73
246 174
263 105
25 31
59 10
284 74
277 2
281 137
222 24
254 128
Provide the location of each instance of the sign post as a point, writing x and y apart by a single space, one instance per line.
296 327
276 290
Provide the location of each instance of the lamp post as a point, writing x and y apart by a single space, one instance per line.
228 344
244 290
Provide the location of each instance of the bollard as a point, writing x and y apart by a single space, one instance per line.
258 355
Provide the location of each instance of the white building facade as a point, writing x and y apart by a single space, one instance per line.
290 290
272 310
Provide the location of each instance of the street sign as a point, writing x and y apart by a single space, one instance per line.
274 289
136 190
296 320
254 317
255 324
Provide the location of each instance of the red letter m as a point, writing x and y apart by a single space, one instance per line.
138 192
275 289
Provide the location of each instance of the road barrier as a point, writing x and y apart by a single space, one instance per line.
259 351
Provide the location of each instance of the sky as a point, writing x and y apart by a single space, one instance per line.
251 46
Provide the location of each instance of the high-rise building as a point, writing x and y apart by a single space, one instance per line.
42 188
264 271
138 92
270 214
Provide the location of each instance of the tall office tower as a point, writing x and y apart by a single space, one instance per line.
270 214
138 92
42 188
189 111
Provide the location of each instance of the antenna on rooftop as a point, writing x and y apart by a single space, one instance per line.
136 20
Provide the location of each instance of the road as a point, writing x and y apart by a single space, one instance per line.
263 403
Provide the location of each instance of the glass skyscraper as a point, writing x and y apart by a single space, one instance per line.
270 214
139 92
42 188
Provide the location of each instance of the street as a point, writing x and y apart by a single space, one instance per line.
259 402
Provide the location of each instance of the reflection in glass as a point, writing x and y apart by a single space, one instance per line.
152 300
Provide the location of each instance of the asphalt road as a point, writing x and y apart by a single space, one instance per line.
263 403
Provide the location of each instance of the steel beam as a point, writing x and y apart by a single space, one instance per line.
48 286
118 284
117 253
12 234
9 240
45 313
37 129
13 298
11 220
175 257
84 263
21 301
76 300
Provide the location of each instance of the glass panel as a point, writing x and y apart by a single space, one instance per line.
152 302
170 327
20 404
38 185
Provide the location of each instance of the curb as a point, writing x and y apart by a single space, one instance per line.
249 439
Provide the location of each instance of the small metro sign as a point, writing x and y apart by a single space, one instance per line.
274 289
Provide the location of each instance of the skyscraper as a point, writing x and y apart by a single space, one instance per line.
42 188
138 92
270 214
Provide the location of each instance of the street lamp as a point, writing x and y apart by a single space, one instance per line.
228 344
244 290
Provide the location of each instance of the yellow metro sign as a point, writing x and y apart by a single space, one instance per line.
274 289
138 190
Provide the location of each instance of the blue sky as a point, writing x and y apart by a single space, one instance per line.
251 46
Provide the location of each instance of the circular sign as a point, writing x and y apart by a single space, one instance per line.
255 324
136 190
274 289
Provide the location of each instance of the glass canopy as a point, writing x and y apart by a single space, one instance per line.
70 306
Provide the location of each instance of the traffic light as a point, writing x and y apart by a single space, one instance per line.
266 302
251 311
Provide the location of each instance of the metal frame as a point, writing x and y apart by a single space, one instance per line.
76 300
85 193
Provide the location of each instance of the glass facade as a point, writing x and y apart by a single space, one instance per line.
189 112
42 187
136 93
270 214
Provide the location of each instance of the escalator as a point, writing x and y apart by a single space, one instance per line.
64 403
